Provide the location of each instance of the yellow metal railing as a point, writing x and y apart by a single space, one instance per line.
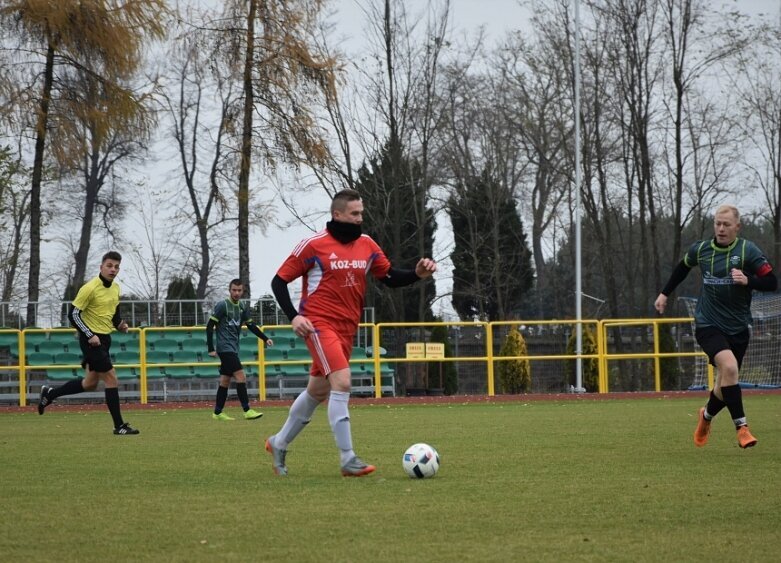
657 355
377 360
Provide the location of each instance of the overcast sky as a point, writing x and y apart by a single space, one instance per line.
496 17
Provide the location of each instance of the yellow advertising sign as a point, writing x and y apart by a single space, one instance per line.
416 350
435 350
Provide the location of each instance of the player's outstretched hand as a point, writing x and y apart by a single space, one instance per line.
661 303
425 267
213 354
122 327
269 343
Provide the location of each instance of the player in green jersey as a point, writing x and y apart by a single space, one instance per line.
731 268
228 317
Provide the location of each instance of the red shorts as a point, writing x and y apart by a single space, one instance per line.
330 351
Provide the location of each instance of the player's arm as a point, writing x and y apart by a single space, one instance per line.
282 295
78 323
117 321
79 304
397 277
211 324
301 325
254 329
676 277
218 314
764 280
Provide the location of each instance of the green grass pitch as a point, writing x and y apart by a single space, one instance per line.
616 480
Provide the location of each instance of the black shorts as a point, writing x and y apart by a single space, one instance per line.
712 341
229 363
96 358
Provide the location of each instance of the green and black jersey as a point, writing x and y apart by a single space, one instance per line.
229 317
723 303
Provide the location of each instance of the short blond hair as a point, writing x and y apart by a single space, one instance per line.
728 208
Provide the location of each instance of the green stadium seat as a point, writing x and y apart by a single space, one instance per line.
250 341
52 347
358 352
9 349
153 373
179 372
61 374
124 374
281 333
67 358
127 357
32 339
166 345
247 355
67 339
185 357
298 354
40 359
122 338
157 357
131 346
370 351
194 344
296 370
274 354
9 340
206 372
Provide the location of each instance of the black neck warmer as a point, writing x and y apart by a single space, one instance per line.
343 232
106 283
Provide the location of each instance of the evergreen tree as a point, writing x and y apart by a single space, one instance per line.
395 210
182 313
492 268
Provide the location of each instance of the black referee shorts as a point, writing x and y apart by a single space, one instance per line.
96 358
229 363
712 341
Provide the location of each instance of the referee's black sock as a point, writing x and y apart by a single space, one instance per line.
714 406
71 387
112 402
241 391
733 397
222 395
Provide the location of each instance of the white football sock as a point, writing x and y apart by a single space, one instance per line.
300 414
339 417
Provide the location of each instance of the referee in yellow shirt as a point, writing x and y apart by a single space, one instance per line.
95 315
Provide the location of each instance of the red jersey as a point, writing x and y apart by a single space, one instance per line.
334 276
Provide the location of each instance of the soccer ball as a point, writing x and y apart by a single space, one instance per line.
420 461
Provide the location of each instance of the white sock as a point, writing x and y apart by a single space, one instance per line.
300 414
339 417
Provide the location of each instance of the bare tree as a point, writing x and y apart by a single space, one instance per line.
14 214
695 45
109 33
756 83
200 131
280 75
100 126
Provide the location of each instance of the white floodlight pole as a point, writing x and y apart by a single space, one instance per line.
578 260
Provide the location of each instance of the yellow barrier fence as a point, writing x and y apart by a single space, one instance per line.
22 360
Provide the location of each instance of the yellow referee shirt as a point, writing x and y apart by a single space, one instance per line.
97 304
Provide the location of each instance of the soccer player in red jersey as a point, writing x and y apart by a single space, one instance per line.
334 264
